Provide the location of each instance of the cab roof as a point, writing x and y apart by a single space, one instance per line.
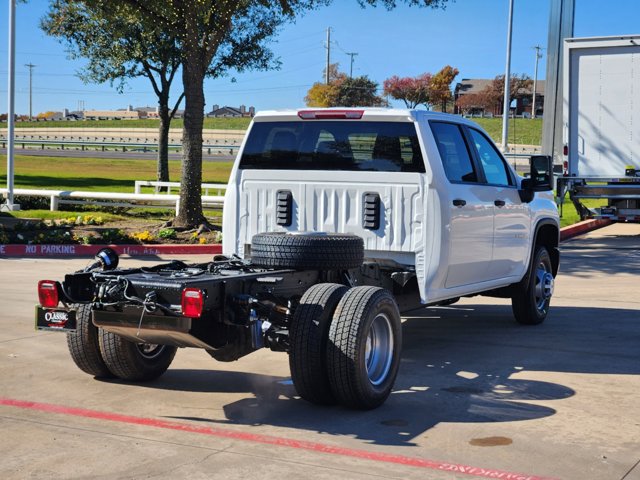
355 114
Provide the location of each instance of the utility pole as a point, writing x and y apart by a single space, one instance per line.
507 84
30 66
537 48
351 54
328 47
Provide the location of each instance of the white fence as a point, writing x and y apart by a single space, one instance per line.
219 188
119 199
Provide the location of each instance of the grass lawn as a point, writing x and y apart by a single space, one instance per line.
522 131
97 174
57 215
211 123
569 213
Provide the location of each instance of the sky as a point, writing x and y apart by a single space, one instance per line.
469 35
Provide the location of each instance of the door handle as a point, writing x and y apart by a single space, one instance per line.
458 202
499 203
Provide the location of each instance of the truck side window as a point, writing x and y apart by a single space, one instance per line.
493 165
453 152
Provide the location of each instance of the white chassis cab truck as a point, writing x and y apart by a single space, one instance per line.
602 126
335 220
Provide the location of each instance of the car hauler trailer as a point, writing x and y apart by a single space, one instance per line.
602 126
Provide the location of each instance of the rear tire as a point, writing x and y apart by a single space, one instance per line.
133 361
84 346
530 302
363 353
308 335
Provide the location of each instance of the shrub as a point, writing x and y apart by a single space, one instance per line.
167 233
113 235
143 237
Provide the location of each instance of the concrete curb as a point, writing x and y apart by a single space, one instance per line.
582 227
17 250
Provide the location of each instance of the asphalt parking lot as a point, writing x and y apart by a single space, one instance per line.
478 396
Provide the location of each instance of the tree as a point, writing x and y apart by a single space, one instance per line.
440 86
358 92
325 94
412 91
343 91
472 101
119 48
46 115
494 92
202 29
320 95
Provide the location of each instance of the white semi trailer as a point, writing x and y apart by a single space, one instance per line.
602 126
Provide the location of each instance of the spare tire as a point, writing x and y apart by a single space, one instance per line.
307 250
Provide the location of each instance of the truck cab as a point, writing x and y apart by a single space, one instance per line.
427 192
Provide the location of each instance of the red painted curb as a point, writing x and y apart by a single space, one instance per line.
90 250
271 440
582 227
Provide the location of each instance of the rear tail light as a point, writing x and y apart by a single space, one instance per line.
331 114
565 150
48 293
565 167
192 302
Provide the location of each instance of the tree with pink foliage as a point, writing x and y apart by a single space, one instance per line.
412 91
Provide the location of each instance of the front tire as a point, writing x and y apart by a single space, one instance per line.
363 353
530 302
308 335
84 346
135 361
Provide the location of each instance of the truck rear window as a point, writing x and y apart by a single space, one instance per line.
333 145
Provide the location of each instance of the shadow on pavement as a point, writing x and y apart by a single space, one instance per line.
460 364
612 254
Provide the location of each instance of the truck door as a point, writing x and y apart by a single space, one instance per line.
470 207
511 222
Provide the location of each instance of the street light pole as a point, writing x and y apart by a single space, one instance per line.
535 80
11 81
30 66
507 82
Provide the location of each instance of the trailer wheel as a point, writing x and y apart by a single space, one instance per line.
363 352
307 250
135 361
308 336
530 302
84 346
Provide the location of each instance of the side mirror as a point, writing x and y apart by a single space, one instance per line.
541 168
540 177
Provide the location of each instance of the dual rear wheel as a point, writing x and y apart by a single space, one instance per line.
345 345
106 355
